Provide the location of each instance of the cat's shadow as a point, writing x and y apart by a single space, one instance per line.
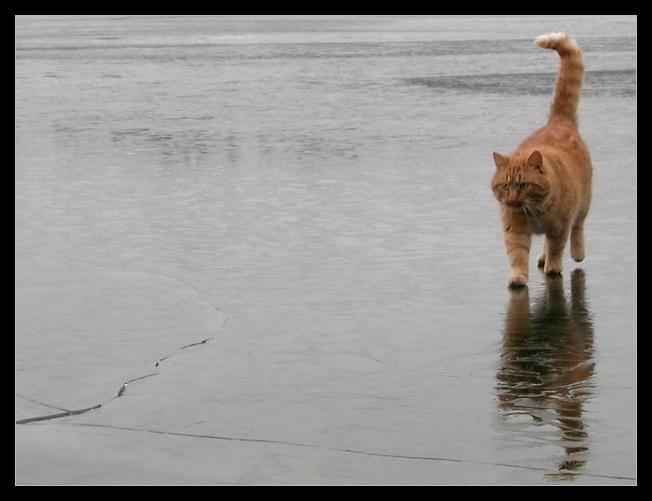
546 367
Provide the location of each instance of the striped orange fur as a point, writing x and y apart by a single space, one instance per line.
544 186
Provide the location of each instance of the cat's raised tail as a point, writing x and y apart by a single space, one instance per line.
566 95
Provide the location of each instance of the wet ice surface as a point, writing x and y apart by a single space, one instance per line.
264 251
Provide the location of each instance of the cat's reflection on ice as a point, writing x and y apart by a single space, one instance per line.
546 367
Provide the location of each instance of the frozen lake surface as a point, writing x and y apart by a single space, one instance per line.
263 250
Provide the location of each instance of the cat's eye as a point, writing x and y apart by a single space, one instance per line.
523 186
504 186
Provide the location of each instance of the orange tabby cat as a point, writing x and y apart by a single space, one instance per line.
544 187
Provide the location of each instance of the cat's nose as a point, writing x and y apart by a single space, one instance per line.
513 201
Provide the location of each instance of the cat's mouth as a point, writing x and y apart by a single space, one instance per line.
517 204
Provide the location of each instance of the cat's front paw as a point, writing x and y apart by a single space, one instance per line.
541 260
517 280
552 268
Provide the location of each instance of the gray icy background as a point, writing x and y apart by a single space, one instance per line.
263 250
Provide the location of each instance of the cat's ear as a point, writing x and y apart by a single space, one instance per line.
535 161
500 160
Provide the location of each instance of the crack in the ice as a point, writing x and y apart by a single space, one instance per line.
63 414
344 450
67 412
123 388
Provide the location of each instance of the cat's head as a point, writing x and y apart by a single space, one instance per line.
520 180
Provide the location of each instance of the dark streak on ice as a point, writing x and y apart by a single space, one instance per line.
182 348
67 413
596 83
59 415
340 449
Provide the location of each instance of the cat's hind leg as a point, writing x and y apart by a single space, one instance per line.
541 258
577 244
554 252
577 239
578 251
